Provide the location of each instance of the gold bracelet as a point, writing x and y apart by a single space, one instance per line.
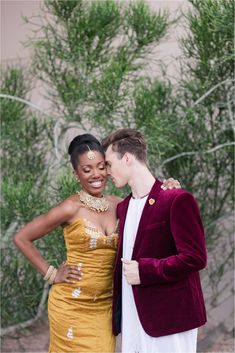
49 273
52 276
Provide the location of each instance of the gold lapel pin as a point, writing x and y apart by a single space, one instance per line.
151 201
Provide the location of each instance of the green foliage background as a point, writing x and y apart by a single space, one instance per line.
93 56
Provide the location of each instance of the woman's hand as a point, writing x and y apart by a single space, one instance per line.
66 272
171 183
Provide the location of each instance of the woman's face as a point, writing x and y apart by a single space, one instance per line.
92 173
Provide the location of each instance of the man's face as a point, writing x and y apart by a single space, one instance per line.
116 168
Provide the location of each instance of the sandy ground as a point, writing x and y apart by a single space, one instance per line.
36 339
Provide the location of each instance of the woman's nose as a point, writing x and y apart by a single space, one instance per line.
96 172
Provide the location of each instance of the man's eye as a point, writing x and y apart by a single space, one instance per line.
102 167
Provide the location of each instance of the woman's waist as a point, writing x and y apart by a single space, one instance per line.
82 290
91 263
92 272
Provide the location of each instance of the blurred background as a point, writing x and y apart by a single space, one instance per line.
68 67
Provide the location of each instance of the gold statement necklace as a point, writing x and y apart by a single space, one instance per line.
97 204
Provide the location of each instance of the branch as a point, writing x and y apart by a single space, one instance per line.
27 323
230 113
210 91
10 230
34 106
196 152
60 128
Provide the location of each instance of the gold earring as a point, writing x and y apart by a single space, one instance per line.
76 179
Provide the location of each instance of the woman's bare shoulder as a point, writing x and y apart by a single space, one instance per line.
70 205
114 199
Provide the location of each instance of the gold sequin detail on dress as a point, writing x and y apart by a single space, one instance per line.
80 314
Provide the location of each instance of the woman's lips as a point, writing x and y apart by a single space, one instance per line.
96 184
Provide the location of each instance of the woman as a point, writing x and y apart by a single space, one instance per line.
79 304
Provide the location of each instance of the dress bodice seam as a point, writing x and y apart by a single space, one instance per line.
89 225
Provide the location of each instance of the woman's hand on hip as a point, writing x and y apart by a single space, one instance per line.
67 273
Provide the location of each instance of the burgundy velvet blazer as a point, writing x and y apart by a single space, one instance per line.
170 249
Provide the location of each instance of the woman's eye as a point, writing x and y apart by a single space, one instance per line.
86 170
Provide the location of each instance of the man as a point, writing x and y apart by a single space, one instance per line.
161 250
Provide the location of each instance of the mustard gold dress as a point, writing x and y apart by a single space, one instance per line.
80 314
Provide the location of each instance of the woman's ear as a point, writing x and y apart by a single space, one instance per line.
76 175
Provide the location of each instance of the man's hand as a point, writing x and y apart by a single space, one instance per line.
131 271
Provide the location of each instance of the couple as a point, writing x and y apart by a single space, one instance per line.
156 297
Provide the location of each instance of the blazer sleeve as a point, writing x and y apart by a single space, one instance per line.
188 233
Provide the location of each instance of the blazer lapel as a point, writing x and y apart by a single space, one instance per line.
122 218
144 217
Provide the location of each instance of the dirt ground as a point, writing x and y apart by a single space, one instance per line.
36 339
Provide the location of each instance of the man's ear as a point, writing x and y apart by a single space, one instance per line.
128 158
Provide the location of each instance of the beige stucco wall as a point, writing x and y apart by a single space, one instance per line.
13 29
15 32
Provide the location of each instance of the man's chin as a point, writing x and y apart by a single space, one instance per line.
119 185
116 184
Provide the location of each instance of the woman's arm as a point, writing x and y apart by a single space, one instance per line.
38 228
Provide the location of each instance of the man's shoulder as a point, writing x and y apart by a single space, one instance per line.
171 195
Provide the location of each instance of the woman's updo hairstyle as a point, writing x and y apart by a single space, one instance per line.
81 144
